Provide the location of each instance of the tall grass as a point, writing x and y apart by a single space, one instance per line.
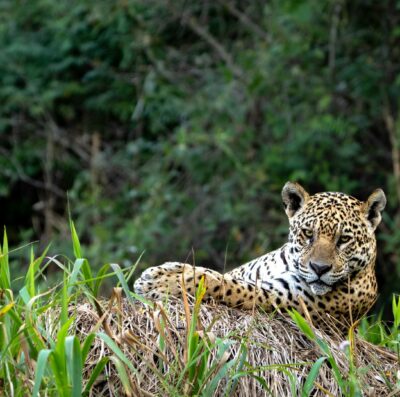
32 359
381 333
41 352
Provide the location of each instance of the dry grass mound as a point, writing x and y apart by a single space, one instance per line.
209 349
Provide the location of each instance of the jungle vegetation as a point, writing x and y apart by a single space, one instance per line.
171 126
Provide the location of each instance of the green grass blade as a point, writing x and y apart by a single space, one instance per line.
97 370
259 379
5 280
122 280
302 324
87 344
74 364
133 268
122 375
75 273
231 386
61 336
58 360
396 311
5 246
116 350
309 383
76 245
87 274
33 271
25 295
64 300
101 275
41 366
222 373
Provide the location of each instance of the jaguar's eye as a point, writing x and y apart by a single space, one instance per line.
343 240
308 233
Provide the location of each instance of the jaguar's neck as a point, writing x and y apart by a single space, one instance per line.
289 254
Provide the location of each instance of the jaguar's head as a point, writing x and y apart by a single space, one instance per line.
331 235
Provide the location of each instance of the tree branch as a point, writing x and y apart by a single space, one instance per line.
188 20
218 47
245 20
27 179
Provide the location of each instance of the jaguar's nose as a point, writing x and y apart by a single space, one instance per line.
319 269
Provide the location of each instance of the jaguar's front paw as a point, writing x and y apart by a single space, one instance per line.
160 281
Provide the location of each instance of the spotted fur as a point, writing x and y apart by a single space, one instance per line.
326 269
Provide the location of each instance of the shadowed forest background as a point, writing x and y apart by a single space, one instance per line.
173 125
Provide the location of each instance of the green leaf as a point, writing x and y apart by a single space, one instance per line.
97 370
122 375
222 373
74 275
5 281
241 361
101 274
87 274
116 350
41 366
302 324
309 383
74 364
33 270
396 311
75 241
129 294
87 344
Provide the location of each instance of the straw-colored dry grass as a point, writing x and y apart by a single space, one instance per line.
274 343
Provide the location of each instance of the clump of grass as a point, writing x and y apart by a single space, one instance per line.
384 334
65 340
38 350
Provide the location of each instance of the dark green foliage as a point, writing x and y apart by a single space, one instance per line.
175 124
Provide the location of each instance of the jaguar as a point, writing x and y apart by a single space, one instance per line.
326 269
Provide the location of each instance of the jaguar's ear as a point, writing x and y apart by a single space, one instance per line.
294 197
374 206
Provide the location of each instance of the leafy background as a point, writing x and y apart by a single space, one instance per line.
173 125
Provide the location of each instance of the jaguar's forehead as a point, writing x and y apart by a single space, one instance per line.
334 200
330 209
